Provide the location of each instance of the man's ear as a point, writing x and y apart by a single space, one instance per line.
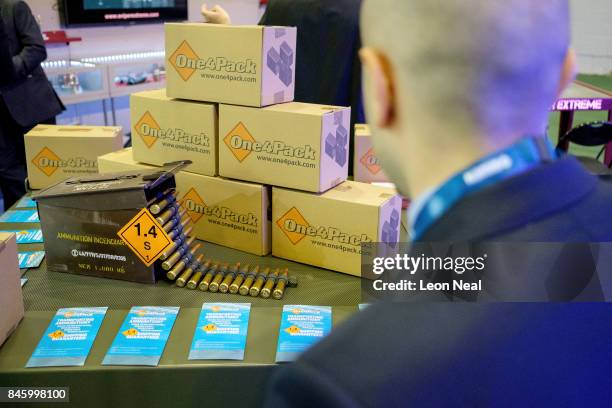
381 82
568 71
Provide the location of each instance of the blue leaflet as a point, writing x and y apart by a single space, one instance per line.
20 216
301 328
69 337
28 236
26 202
31 259
221 332
142 337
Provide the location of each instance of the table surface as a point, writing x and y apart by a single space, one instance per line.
45 292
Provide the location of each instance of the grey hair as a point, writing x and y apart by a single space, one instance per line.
496 63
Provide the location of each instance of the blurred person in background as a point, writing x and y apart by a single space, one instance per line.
26 98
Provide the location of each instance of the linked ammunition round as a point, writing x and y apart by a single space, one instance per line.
281 284
270 282
208 278
214 285
182 280
174 258
195 279
162 204
235 286
259 282
167 215
246 286
229 278
172 224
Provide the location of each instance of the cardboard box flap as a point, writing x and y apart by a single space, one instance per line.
75 131
305 108
216 27
361 193
362 130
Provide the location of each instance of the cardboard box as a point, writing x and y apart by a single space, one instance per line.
226 212
166 130
366 167
294 145
55 153
327 230
119 161
11 298
241 65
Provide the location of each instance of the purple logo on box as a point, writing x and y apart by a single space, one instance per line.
336 145
390 230
281 62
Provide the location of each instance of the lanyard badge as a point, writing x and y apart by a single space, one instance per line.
517 159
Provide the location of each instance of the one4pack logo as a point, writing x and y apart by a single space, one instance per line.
280 61
48 162
296 228
336 144
370 162
196 208
390 229
150 132
242 143
187 62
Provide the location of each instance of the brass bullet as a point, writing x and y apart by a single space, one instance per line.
182 280
161 205
281 284
166 215
235 286
209 277
172 224
246 286
214 285
270 282
195 279
175 260
259 282
229 278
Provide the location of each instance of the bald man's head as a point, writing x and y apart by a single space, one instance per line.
494 63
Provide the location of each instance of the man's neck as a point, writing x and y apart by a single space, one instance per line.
431 166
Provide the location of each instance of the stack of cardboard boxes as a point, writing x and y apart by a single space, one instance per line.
228 108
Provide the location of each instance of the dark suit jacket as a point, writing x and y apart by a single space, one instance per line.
454 354
7 71
30 99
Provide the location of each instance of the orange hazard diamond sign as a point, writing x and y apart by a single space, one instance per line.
145 237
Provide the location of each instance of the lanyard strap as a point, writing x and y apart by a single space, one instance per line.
517 159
